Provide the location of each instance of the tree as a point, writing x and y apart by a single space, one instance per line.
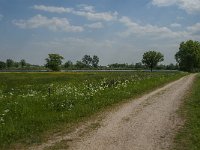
138 65
22 63
171 67
9 63
188 56
68 64
80 65
54 62
87 60
2 65
95 61
152 58
16 64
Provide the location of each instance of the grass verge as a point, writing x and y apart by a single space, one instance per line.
34 103
188 137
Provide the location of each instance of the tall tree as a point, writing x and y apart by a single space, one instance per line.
188 56
95 61
9 63
54 62
2 65
87 60
23 63
152 58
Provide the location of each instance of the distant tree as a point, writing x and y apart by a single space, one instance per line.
118 66
80 65
131 66
172 67
22 63
9 63
68 64
188 56
121 66
138 65
160 67
16 64
152 58
28 65
95 61
87 60
2 65
54 62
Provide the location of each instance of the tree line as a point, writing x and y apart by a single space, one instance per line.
54 62
11 64
188 59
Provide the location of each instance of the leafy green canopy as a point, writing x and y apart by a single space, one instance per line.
54 62
152 58
188 56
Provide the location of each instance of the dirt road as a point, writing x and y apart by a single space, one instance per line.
147 123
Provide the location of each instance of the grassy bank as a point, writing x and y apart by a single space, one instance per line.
188 137
33 103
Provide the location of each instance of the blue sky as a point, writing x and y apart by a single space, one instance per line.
115 30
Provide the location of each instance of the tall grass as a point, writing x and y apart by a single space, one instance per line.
32 103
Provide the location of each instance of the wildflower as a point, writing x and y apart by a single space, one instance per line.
6 111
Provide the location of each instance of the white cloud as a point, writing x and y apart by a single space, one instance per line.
1 17
96 25
158 34
189 6
164 2
145 30
53 9
194 28
105 16
84 11
88 8
175 25
54 24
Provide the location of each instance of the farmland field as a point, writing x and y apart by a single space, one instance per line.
34 103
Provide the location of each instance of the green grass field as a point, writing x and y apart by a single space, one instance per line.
32 104
188 137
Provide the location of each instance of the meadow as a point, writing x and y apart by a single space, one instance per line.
32 104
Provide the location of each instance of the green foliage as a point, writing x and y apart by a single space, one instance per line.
172 67
80 65
2 65
188 137
16 64
87 60
28 108
23 63
68 64
10 63
138 65
54 62
121 66
188 56
95 61
152 58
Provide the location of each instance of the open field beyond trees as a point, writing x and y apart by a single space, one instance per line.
33 103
